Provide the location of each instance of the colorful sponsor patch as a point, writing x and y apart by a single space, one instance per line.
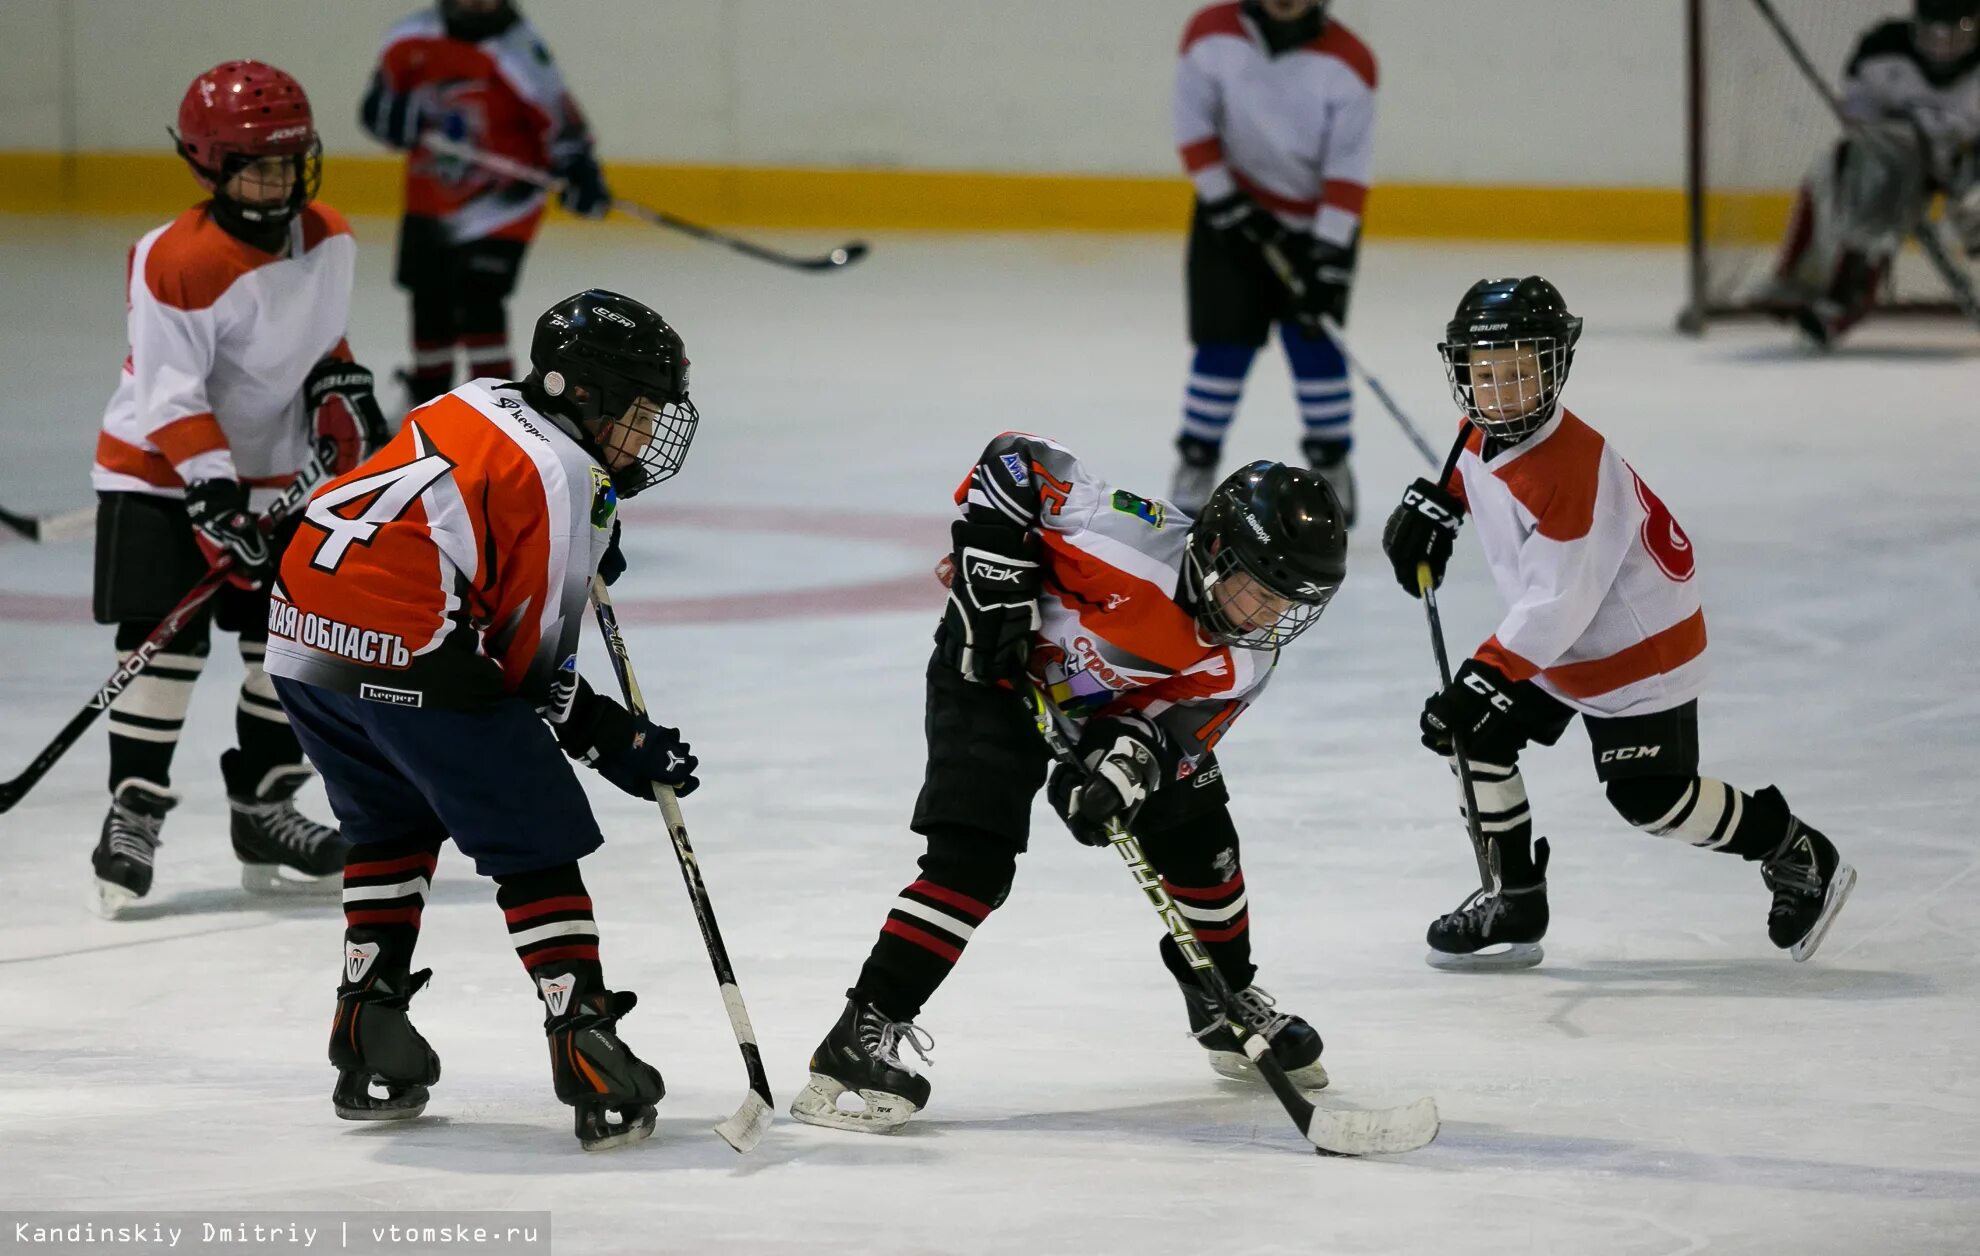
1150 513
604 498
1015 465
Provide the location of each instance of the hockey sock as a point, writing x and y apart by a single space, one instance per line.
1210 397
267 742
928 926
1320 385
1704 812
433 337
1199 864
146 719
1504 819
550 922
488 354
385 889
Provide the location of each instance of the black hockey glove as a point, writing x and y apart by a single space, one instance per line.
993 602
1123 765
227 531
1479 706
1421 529
1328 274
612 563
392 117
584 192
631 751
1239 218
342 407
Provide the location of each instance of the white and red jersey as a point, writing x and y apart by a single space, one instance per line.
1604 611
1115 640
1887 80
452 567
502 94
1294 131
222 336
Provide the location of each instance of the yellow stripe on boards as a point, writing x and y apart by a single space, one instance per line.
158 184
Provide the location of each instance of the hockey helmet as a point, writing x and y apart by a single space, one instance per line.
1265 556
1944 31
613 367
1506 354
238 113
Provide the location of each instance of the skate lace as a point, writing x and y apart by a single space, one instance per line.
134 835
1255 1006
1791 871
1475 914
289 827
893 1034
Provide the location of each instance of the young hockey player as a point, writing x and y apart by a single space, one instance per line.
1913 90
236 317
1604 623
477 72
1150 634
1274 117
424 629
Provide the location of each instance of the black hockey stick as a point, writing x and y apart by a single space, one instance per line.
13 791
46 528
845 255
1922 231
745 1129
1332 1131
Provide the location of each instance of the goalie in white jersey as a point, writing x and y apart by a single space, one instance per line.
1912 93
1604 622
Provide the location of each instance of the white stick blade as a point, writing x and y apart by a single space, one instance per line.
1380 1132
746 1128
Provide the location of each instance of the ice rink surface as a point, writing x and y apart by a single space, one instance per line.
1666 1083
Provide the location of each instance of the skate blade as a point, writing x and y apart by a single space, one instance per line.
1239 1068
279 880
596 1132
1512 955
403 1105
1832 904
818 1104
108 899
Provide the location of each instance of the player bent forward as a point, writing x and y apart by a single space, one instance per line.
1150 634
424 629
1605 623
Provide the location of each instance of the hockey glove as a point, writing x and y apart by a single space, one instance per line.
993 602
1238 218
228 532
338 396
393 117
1422 529
584 192
1123 765
629 750
1478 706
612 563
1328 273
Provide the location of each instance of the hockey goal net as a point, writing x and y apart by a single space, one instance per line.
1755 126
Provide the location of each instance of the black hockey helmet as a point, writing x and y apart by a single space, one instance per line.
1528 320
476 20
616 369
1283 528
1944 31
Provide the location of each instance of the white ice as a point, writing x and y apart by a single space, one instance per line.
1667 1082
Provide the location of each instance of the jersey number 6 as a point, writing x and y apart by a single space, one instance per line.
392 492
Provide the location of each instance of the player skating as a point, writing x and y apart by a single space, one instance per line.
236 318
1274 117
1913 90
424 628
1151 634
477 72
1604 622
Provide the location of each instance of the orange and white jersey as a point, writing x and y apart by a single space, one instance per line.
502 94
221 337
1114 639
452 567
1296 131
1599 577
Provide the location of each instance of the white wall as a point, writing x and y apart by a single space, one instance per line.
1576 92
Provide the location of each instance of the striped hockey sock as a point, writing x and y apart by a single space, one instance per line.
1320 385
926 931
1504 818
1219 911
1210 396
385 889
488 354
550 922
146 719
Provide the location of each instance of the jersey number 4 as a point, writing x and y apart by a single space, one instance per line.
391 492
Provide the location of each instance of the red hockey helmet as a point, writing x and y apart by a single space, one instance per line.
239 112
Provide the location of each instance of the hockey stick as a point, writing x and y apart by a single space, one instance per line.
1922 231
743 1130
1488 877
1332 1131
845 255
47 528
1295 284
13 791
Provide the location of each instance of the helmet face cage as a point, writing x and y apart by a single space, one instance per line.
1526 375
1236 607
1946 40
647 442
306 166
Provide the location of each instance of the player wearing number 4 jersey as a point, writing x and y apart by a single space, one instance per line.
1604 622
1150 633
424 630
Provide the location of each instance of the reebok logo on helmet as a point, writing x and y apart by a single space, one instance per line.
1257 528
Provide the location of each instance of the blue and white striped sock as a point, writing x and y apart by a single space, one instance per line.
1320 385
1210 397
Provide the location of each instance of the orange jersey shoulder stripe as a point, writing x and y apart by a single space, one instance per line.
1147 623
1556 479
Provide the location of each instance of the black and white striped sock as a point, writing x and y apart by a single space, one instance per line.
146 719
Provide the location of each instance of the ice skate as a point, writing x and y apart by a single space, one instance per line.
612 1090
1810 884
125 852
1295 1044
281 850
1196 475
383 1064
861 1055
1330 459
1494 931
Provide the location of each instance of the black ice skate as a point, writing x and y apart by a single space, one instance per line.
861 1055
1810 884
1330 459
1494 931
281 850
1295 1044
129 843
383 1064
612 1090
